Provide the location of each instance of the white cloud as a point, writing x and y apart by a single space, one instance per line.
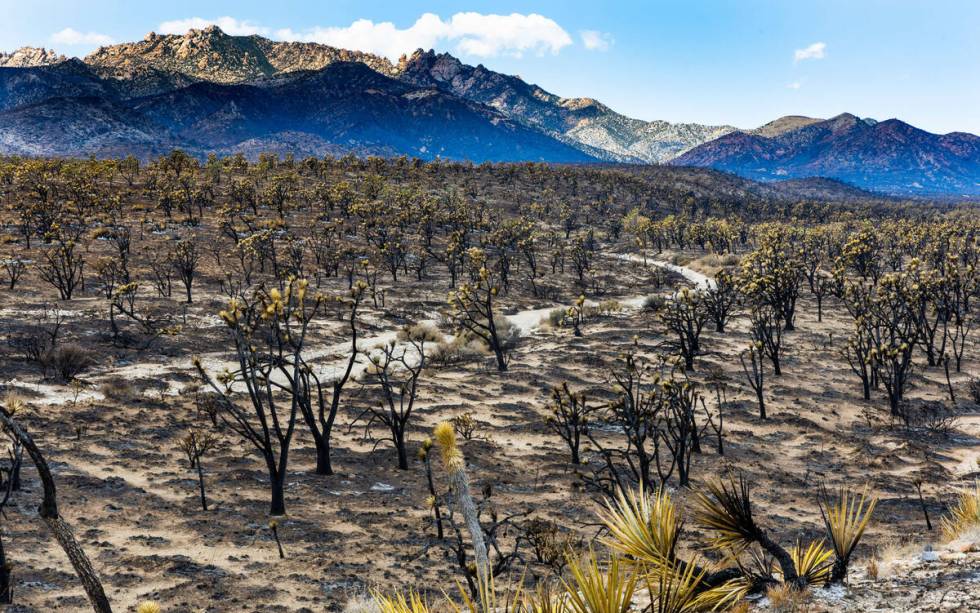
794 85
71 36
816 51
229 25
594 40
473 34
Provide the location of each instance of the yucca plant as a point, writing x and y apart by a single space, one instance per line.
148 606
812 562
545 599
727 510
399 603
677 589
725 596
594 589
641 526
845 520
964 514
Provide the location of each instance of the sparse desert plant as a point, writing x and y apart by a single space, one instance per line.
149 606
465 425
975 390
785 598
195 445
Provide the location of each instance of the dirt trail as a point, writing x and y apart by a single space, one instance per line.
526 322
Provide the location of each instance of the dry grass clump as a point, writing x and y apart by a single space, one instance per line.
361 604
964 514
785 598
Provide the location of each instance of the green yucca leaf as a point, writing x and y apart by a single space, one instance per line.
642 527
676 589
597 590
845 520
813 562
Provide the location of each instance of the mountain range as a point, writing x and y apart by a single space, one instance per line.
207 91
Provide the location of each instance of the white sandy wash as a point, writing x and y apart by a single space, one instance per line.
329 361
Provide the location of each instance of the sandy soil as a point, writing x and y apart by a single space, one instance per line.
133 503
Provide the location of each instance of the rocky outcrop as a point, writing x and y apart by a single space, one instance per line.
160 63
27 57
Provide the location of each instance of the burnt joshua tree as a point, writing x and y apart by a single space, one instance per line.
767 334
569 418
49 514
185 260
721 300
195 445
269 333
685 317
473 305
396 368
755 373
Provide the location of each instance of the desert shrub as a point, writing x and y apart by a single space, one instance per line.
556 317
654 303
606 308
933 416
975 390
118 389
68 361
785 598
550 545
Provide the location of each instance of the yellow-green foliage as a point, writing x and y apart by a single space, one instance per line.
642 527
594 589
846 520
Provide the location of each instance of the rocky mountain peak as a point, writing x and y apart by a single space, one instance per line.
161 62
26 57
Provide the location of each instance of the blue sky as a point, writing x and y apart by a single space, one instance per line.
741 62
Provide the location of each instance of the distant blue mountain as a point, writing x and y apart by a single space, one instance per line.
888 156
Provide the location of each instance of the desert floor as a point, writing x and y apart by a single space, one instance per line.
133 502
